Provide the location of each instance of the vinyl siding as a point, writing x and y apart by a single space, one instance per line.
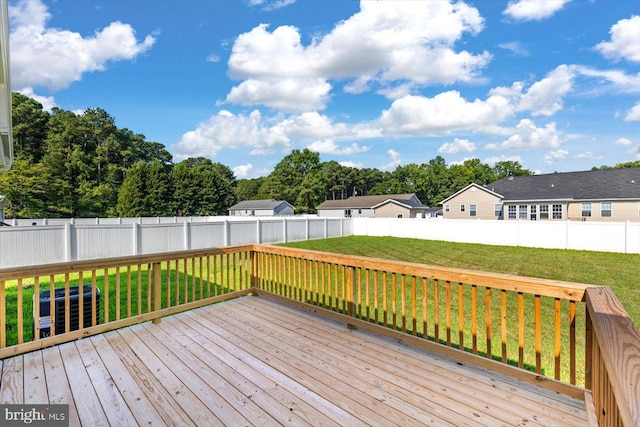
484 205
620 211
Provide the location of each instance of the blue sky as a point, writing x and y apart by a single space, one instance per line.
553 84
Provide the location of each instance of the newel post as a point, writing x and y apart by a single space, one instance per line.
156 291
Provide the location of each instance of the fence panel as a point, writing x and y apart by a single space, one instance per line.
104 241
207 235
271 230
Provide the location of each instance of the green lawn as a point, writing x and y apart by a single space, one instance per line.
620 272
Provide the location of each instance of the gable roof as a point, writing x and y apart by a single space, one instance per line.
258 204
587 185
369 202
483 188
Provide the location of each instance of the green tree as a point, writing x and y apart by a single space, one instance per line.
132 198
30 125
249 189
285 182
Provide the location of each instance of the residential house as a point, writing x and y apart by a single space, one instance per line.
601 195
381 206
261 208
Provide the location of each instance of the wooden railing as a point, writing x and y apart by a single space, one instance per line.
91 297
572 338
565 335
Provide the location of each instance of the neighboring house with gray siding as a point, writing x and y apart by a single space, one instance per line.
261 208
600 195
380 206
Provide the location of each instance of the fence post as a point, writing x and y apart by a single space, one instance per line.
284 229
306 228
227 238
326 228
157 289
258 232
70 247
187 235
136 238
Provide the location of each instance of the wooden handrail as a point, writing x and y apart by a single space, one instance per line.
615 374
535 286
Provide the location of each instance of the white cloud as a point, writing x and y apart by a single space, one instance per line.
48 102
328 146
457 146
242 171
533 10
384 45
301 94
271 5
227 130
351 164
392 160
623 141
587 155
213 58
491 161
625 41
442 114
515 47
618 80
544 98
554 156
634 114
55 58
527 135
635 151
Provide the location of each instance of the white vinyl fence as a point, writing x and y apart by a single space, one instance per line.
621 237
66 240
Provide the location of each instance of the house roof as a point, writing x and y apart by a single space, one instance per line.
483 188
368 202
588 185
258 204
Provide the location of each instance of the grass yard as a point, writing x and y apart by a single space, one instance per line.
620 272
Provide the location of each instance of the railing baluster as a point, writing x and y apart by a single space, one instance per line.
474 313
503 324
118 293
425 333
460 316
448 310
538 333
385 304
487 295
3 315
105 279
436 311
52 305
394 298
520 330
20 313
80 301
557 339
572 342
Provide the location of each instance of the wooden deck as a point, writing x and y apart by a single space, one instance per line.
252 361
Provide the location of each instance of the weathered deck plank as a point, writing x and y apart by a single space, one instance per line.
252 361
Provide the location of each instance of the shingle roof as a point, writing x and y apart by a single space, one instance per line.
257 204
360 202
588 185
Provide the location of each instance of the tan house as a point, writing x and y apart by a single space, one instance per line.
600 195
382 206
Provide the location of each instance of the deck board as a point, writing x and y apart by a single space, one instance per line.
253 361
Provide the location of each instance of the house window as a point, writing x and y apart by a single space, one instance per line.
544 211
447 208
347 213
533 216
522 211
557 211
359 211
605 209
586 209
399 215
472 210
512 211
497 209
461 208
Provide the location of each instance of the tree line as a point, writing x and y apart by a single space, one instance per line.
83 165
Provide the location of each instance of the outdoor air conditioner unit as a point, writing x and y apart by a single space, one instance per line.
44 319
